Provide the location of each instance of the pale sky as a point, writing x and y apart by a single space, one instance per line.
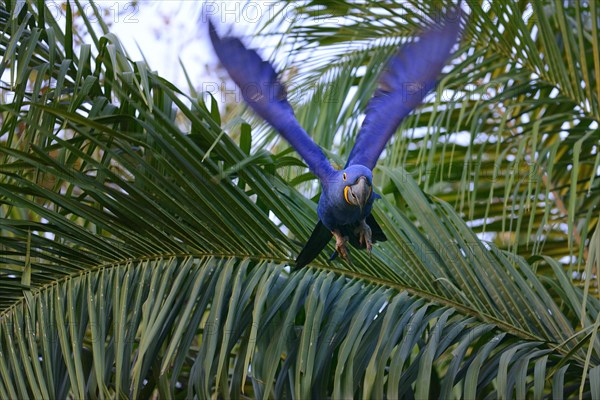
165 32
169 30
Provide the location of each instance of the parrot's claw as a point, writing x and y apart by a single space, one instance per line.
365 235
340 245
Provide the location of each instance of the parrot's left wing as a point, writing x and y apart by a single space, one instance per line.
262 90
409 76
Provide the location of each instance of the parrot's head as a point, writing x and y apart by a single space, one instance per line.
356 185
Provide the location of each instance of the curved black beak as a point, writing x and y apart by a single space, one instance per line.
360 192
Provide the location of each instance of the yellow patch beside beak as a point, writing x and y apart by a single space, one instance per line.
346 189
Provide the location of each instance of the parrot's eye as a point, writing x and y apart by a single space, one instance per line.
344 176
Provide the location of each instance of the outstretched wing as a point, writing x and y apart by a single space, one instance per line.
409 76
262 90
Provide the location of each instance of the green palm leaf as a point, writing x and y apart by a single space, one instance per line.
511 137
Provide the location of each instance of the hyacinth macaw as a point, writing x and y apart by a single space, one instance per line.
347 195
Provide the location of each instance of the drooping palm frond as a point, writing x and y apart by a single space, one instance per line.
510 139
139 258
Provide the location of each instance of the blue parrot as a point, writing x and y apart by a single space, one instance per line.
347 195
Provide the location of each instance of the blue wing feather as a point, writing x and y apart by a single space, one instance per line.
262 90
409 76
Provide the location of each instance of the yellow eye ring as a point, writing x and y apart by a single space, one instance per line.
344 176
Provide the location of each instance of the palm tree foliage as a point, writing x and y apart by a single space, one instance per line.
511 138
139 255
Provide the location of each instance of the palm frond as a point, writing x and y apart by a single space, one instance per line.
510 137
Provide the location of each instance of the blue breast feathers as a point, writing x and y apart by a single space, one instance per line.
334 208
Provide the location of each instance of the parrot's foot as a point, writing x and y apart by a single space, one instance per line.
340 245
364 235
